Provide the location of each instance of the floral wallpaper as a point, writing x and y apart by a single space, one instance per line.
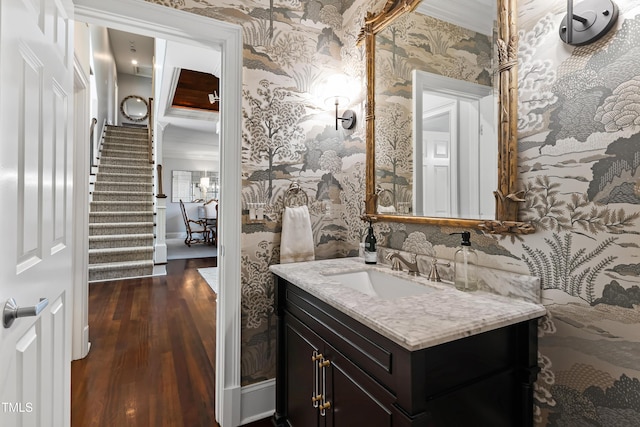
579 135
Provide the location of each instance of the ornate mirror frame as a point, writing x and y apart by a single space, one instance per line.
134 119
507 196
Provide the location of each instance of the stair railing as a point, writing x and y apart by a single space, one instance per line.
92 128
150 131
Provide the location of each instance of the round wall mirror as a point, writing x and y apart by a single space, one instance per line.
134 108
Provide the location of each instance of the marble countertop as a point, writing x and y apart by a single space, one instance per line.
414 322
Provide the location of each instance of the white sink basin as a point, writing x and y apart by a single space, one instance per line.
378 284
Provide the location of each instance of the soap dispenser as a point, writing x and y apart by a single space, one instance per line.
465 262
370 247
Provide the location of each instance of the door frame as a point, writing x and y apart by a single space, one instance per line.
80 323
167 23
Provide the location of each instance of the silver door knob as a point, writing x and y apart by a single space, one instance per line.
11 311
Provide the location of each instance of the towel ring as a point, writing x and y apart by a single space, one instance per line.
295 196
386 198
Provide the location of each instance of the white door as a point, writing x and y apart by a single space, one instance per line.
439 148
36 101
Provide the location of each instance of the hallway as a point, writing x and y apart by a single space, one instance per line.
152 354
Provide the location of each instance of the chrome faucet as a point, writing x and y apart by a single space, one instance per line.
396 258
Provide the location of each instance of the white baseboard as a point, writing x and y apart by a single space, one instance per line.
258 401
160 254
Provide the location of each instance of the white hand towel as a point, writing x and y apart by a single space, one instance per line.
296 243
386 209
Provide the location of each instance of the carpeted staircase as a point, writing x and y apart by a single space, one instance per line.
121 213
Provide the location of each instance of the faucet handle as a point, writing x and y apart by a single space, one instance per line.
433 274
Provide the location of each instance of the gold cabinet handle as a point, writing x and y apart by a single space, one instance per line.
324 405
316 397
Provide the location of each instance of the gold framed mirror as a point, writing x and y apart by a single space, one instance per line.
384 199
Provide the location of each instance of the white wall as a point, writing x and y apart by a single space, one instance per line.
81 45
128 84
175 224
104 68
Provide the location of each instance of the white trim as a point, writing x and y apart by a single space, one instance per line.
80 318
159 21
258 401
470 14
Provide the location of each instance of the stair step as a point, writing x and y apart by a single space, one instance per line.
122 196
120 240
127 134
126 161
128 169
116 228
120 217
137 253
138 138
124 186
119 130
119 270
120 228
124 146
123 177
110 152
120 206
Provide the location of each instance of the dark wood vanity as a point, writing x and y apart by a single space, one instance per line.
335 371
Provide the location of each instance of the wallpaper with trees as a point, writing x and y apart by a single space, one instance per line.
579 143
291 48
579 130
417 42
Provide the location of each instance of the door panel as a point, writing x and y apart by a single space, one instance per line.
29 150
300 374
36 80
356 399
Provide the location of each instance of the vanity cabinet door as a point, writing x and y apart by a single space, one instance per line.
301 374
355 398
346 395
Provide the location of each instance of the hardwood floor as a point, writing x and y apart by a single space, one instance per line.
152 353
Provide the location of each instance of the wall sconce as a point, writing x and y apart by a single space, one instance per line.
339 85
214 97
588 21
348 118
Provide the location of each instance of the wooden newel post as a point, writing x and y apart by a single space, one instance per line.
160 190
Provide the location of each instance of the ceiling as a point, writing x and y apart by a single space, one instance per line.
187 75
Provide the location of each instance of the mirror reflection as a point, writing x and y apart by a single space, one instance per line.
134 108
435 109
194 186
